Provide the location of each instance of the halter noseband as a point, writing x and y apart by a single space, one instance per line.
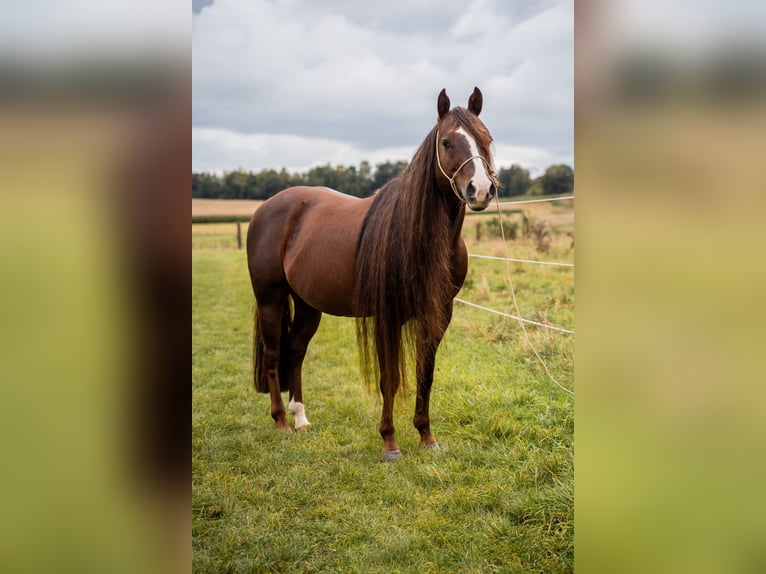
490 171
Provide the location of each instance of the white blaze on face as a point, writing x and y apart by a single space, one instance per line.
480 178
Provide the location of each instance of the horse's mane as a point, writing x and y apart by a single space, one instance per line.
403 262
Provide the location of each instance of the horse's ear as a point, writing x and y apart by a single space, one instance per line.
475 101
442 104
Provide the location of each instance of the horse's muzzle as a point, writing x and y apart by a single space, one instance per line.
478 200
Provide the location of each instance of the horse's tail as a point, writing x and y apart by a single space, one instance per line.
259 375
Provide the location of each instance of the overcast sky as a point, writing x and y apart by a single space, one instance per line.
296 83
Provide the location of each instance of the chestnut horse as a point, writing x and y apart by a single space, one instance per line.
395 261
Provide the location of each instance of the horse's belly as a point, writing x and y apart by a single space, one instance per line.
320 251
323 278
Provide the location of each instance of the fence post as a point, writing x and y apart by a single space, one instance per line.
239 235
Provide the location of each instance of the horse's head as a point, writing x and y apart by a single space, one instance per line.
463 153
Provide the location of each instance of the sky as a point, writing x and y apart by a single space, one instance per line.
297 83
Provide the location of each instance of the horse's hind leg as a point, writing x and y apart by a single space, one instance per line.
305 325
390 379
270 318
391 450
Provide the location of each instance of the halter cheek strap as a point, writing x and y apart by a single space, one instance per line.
490 171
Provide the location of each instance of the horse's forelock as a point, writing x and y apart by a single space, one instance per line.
474 126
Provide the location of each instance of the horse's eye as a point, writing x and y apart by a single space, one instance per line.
446 144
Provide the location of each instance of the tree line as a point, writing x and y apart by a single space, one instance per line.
362 181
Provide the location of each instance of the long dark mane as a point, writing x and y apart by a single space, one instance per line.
403 271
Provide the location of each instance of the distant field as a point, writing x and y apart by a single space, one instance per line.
222 235
202 207
224 206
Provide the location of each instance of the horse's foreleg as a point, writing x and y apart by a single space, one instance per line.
305 325
425 378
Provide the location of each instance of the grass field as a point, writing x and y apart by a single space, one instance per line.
497 498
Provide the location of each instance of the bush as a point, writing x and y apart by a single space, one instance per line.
494 230
558 179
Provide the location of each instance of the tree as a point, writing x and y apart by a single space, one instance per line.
365 179
235 184
361 181
365 170
558 179
322 175
206 185
386 171
513 181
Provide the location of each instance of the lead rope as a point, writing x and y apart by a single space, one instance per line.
516 304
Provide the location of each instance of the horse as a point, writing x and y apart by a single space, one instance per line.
394 261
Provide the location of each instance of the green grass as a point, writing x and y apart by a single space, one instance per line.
498 497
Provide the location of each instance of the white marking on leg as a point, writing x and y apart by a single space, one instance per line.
299 414
481 180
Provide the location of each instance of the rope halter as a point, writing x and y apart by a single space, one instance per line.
490 171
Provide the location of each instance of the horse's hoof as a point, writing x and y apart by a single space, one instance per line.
391 456
431 446
304 427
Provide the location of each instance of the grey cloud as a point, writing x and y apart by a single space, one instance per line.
369 76
198 5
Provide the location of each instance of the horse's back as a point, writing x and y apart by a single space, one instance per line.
305 237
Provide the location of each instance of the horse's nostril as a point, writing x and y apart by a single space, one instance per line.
492 190
471 191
